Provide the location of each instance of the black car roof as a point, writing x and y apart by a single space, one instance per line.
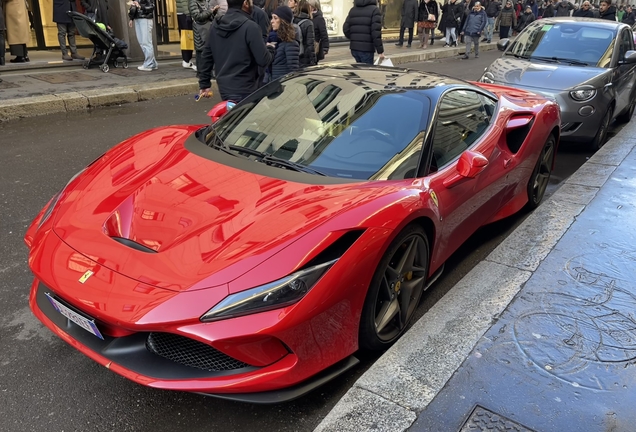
384 78
584 22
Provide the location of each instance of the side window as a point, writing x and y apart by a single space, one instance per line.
626 44
463 117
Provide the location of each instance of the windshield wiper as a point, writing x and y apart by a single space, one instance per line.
218 143
519 56
559 60
273 160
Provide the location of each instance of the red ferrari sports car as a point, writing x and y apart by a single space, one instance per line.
251 258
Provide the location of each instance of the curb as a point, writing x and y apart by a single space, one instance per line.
399 386
11 109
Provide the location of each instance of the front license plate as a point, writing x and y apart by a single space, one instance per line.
87 324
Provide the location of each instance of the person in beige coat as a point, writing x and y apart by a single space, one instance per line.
18 33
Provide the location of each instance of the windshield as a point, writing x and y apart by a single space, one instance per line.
565 42
336 126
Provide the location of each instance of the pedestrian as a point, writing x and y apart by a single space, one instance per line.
97 10
451 16
630 16
363 28
620 13
473 28
519 8
234 49
492 12
66 28
186 33
467 7
428 14
286 58
548 9
506 20
533 6
585 11
141 13
3 28
563 8
18 34
409 15
607 10
260 17
302 18
321 37
526 18
202 13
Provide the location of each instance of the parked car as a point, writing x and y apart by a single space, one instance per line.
587 65
250 259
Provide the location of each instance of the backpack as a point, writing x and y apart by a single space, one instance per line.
299 35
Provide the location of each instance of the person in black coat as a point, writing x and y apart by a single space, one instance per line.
452 13
363 28
409 16
97 10
585 11
235 49
321 37
525 19
425 26
607 10
286 59
548 9
65 28
303 19
630 16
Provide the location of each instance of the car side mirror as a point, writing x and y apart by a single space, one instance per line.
503 44
220 109
470 164
630 57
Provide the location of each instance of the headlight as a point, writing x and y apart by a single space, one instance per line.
488 78
583 94
274 295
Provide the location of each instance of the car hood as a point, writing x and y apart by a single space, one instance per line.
540 75
153 211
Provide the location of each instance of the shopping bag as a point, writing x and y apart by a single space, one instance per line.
187 40
386 62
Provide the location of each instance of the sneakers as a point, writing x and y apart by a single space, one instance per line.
186 65
446 46
194 68
145 69
76 56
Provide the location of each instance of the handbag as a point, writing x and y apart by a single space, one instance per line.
187 40
431 17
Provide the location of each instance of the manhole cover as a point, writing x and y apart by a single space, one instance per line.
482 419
63 77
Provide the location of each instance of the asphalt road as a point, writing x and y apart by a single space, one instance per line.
47 385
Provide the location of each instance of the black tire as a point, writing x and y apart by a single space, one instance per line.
398 282
601 136
627 115
540 177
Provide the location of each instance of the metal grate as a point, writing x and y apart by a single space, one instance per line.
190 352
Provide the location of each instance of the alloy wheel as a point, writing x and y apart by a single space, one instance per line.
401 287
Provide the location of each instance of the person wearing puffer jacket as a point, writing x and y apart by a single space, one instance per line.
202 16
473 28
321 37
363 28
286 58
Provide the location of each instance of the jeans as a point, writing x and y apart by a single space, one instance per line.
451 36
490 27
64 31
503 31
469 40
362 56
401 41
143 30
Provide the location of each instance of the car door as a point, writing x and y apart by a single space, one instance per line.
464 123
624 74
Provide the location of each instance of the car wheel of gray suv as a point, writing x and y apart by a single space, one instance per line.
627 115
601 134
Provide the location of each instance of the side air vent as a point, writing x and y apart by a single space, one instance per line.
515 136
133 245
336 249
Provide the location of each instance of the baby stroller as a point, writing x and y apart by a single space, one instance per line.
107 48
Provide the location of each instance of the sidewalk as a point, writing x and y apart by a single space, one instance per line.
540 336
47 84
